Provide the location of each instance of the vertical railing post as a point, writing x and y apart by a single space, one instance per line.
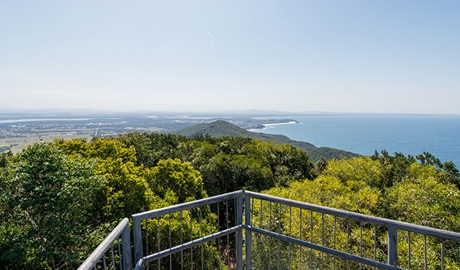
126 249
137 237
247 211
393 245
239 233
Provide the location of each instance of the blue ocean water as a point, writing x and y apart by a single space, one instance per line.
363 134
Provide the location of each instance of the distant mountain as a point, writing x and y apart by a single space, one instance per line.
222 128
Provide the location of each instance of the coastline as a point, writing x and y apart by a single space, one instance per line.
282 123
408 135
268 125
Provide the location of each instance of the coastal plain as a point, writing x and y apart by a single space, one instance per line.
18 130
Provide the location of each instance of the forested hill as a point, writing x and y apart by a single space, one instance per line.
222 128
59 200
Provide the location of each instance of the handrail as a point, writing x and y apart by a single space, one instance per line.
448 235
392 225
185 206
243 204
140 264
122 230
137 218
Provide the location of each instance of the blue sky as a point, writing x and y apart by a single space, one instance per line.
395 56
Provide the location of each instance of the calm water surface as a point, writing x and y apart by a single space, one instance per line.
439 135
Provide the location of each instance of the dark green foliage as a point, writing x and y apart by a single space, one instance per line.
418 190
218 128
232 163
153 147
59 200
171 175
126 191
226 163
450 172
4 157
221 128
396 168
321 165
47 209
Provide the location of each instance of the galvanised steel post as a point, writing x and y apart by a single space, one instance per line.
247 209
99 254
239 233
393 227
393 245
126 249
137 237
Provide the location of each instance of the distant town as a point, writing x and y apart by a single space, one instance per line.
17 130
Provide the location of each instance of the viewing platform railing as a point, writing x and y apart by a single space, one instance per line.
248 230
114 252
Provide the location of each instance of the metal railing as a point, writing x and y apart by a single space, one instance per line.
280 233
217 240
114 252
354 238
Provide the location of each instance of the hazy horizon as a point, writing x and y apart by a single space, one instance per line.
216 113
327 56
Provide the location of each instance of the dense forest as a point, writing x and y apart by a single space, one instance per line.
222 128
59 200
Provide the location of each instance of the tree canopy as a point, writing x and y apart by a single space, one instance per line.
59 200
396 187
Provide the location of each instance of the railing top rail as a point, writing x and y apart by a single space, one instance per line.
360 217
188 205
99 252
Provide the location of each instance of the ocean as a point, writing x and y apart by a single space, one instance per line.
364 134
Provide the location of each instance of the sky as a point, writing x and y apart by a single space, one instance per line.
377 56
